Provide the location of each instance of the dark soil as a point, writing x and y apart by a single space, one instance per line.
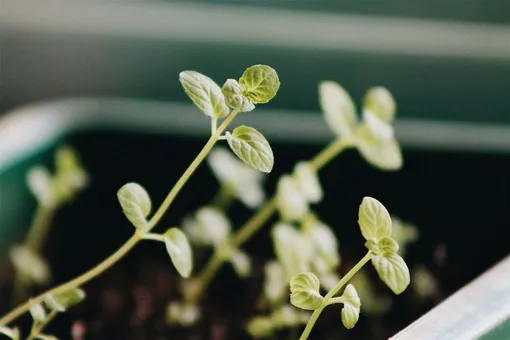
450 197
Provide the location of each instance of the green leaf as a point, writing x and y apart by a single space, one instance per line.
294 251
12 333
259 83
275 284
241 263
383 154
379 101
62 301
352 304
393 271
38 313
204 93
304 289
373 219
41 185
235 98
179 249
251 147
388 246
338 107
261 327
292 204
29 264
135 203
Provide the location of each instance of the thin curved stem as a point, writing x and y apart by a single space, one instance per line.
333 292
257 221
124 249
329 153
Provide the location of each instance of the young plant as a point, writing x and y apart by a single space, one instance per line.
374 138
51 192
376 226
257 85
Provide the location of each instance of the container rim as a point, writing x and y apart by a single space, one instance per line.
30 128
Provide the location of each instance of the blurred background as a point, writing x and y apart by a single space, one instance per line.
102 76
445 61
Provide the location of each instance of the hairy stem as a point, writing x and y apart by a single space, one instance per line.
256 222
333 292
124 249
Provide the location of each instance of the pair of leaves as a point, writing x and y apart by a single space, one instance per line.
304 289
136 205
375 224
257 85
378 113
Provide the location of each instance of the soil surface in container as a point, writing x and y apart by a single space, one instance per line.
456 200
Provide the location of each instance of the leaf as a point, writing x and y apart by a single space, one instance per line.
275 284
294 251
62 301
304 289
261 326
38 313
40 184
204 93
326 245
209 227
373 219
291 203
70 176
241 263
338 107
136 203
379 130
352 304
383 154
179 249
251 147
12 333
30 264
350 315
259 83
388 246
308 182
393 271
182 313
235 98
379 101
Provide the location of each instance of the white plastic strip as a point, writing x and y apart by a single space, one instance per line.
28 128
469 313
